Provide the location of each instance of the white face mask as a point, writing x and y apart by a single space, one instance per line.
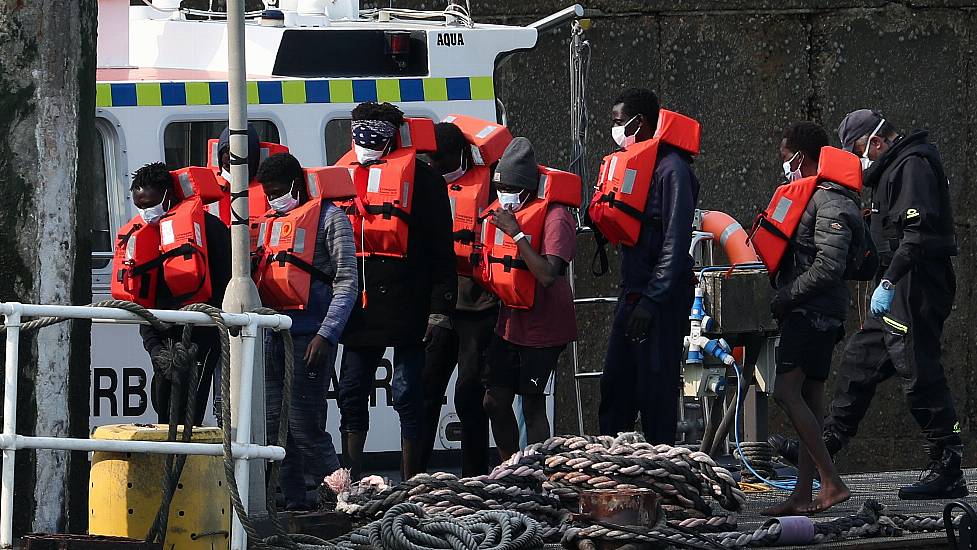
226 175
153 213
510 201
284 203
455 175
365 155
793 175
619 133
867 162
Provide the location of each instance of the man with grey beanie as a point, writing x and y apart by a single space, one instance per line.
912 225
528 343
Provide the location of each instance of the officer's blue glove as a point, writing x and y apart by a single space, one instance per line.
882 298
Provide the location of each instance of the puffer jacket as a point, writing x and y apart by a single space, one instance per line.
812 277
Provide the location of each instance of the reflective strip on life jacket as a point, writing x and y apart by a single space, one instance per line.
469 198
183 244
380 213
284 267
488 140
134 275
501 270
175 248
774 228
624 181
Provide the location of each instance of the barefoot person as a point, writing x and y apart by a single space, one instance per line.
810 305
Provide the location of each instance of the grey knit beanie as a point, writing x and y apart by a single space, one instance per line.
517 167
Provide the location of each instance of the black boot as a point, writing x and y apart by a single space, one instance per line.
353 444
789 448
943 478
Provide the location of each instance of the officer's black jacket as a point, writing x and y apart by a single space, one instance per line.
912 219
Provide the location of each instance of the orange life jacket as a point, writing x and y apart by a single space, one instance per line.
257 202
469 195
175 247
774 228
135 271
624 182
284 267
501 270
380 212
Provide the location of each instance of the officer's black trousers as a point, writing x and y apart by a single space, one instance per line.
905 342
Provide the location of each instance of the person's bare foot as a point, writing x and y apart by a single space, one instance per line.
828 496
790 507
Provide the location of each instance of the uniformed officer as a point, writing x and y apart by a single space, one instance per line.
912 226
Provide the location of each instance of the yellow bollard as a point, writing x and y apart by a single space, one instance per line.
126 489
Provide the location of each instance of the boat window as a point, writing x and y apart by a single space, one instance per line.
338 139
101 228
185 143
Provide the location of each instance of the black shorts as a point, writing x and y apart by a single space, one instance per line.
523 369
806 346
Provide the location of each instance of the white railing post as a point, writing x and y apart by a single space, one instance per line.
249 334
11 363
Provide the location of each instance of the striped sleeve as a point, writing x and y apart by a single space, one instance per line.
342 252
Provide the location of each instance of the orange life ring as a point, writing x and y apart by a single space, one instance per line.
731 235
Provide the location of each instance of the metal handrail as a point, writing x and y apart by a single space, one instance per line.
10 441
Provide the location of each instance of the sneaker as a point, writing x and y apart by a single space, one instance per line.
942 479
786 447
789 448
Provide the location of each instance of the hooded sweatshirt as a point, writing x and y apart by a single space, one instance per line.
254 149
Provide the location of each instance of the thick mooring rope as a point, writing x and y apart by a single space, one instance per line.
544 481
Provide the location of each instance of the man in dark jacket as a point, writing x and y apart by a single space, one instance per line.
464 341
642 367
810 305
152 195
912 226
406 298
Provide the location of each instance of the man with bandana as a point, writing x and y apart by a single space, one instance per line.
912 226
410 299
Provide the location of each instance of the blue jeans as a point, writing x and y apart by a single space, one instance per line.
309 449
356 377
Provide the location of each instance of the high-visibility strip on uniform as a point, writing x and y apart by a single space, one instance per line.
291 92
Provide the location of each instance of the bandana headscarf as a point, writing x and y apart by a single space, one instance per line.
372 133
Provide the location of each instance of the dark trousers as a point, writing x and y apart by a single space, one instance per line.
904 342
208 357
309 450
466 345
356 377
643 378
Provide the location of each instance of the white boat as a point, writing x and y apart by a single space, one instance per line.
162 93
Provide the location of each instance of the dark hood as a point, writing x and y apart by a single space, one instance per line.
915 144
254 149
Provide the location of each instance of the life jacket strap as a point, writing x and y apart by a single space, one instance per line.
464 236
284 257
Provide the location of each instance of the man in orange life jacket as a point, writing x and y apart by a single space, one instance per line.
403 300
465 341
528 343
642 367
152 194
315 332
810 306
912 225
